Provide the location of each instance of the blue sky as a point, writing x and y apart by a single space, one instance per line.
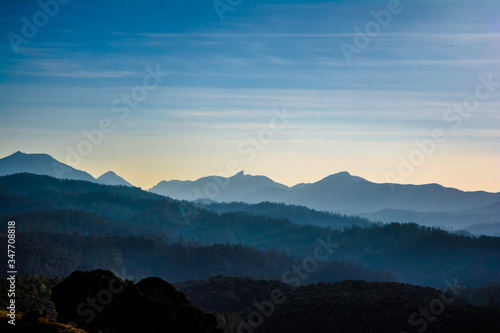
226 78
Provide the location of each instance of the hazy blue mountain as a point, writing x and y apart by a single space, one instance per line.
491 209
46 165
294 213
46 204
349 194
488 229
460 218
430 204
40 164
216 188
111 178
340 192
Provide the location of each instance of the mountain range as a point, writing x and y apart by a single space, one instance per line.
345 194
430 204
216 255
43 164
111 226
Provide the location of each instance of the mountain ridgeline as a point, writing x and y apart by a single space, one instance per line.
78 216
342 193
237 267
43 164
269 266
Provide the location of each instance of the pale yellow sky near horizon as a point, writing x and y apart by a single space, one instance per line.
183 93
476 172
469 177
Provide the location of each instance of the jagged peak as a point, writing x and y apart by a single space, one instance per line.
240 174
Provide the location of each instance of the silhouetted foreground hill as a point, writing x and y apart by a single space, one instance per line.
99 301
242 303
343 307
32 294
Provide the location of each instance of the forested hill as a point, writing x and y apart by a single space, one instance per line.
45 206
42 190
294 213
349 306
272 306
173 260
151 305
28 183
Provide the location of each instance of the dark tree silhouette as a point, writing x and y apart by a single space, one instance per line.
98 301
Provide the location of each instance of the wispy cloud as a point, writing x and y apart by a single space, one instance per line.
227 77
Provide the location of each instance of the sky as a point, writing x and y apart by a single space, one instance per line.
404 92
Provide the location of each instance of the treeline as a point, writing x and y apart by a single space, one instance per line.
71 221
418 255
295 213
151 305
24 184
347 306
33 294
423 255
246 305
160 215
98 301
173 260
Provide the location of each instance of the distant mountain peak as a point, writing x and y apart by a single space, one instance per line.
343 176
111 178
109 173
40 164
240 174
217 188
